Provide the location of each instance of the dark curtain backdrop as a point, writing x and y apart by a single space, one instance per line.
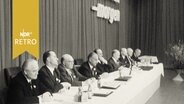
69 26
159 23
127 26
5 39
66 26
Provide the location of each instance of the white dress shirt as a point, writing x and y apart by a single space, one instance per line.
51 69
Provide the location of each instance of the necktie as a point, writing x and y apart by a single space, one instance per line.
33 88
93 71
30 84
129 60
71 75
56 76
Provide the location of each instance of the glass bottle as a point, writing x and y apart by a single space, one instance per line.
90 93
79 94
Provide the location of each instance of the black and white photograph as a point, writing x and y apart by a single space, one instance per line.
91 51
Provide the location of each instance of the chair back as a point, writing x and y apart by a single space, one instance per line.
77 63
3 96
10 73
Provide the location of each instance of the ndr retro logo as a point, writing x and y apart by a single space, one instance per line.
25 38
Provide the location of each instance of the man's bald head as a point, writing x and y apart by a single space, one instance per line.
137 52
123 51
115 54
130 51
68 61
99 52
93 58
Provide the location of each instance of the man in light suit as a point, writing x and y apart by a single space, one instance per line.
49 74
88 68
68 72
25 88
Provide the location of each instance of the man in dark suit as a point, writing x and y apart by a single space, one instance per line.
88 68
114 61
102 65
49 74
136 55
25 88
124 61
130 54
68 72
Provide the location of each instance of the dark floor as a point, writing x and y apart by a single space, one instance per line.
170 92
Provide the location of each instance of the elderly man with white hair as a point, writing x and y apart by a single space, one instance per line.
114 61
124 60
69 73
25 88
130 52
136 55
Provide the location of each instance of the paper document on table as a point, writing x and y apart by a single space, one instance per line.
111 85
102 92
149 59
123 78
146 68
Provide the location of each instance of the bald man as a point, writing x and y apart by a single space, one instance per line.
130 54
25 88
114 61
68 72
136 55
88 68
124 61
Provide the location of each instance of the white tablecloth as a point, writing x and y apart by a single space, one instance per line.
137 90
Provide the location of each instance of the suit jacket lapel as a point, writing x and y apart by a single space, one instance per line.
68 75
50 74
90 70
27 85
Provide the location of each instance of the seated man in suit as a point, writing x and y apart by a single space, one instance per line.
124 61
88 68
25 88
114 61
136 55
49 74
102 62
130 54
68 72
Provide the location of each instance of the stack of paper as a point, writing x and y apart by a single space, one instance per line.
111 85
102 92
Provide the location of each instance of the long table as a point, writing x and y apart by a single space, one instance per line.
137 90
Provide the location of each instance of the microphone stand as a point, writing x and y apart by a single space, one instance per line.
131 65
131 69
